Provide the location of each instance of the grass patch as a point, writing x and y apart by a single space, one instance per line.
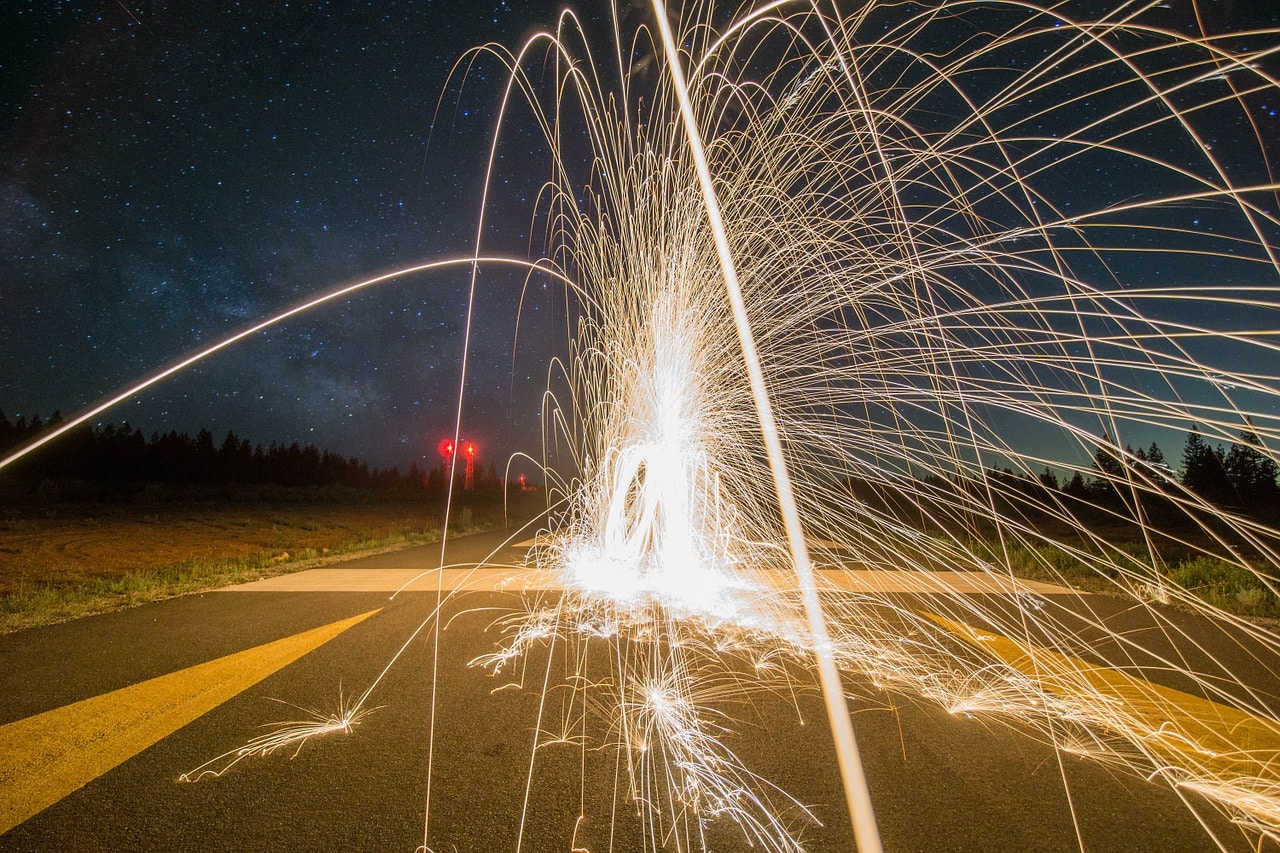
1227 586
31 604
63 565
1127 569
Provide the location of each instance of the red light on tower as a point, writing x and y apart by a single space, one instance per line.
446 448
469 450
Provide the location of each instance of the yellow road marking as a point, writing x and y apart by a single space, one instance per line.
531 579
1178 728
46 757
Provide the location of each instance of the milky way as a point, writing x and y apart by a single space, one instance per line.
170 174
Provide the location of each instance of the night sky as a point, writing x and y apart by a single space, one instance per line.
173 172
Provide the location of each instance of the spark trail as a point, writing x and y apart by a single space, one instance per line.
879 210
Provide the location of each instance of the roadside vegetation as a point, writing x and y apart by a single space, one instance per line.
1225 585
106 518
79 560
1129 524
33 602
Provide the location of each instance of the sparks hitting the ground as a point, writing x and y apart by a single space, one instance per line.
919 295
844 281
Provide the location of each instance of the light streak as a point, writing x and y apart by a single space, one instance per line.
838 301
275 320
857 797
290 735
821 290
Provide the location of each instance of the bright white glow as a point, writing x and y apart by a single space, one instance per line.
940 312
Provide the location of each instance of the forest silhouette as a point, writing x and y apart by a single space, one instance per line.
110 462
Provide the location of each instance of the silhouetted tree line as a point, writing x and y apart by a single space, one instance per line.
486 479
1241 478
123 457
1134 484
1139 481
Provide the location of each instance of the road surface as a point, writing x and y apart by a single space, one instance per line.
101 716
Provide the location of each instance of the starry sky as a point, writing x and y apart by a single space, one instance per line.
173 172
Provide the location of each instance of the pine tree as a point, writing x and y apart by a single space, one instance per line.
1106 461
8 433
1253 475
1105 487
1155 455
1204 470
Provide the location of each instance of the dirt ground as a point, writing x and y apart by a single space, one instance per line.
66 546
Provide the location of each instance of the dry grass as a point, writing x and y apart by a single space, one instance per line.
60 565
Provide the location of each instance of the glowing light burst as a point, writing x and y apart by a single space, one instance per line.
932 292
652 526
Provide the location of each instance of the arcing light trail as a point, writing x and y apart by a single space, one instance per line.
857 798
181 365
925 297
932 213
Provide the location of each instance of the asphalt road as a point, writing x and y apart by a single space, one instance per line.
938 781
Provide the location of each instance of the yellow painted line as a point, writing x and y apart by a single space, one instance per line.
487 579
46 757
933 583
1178 728
520 580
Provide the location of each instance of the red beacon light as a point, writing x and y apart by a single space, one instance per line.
446 448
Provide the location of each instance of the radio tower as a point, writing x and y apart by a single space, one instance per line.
469 450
